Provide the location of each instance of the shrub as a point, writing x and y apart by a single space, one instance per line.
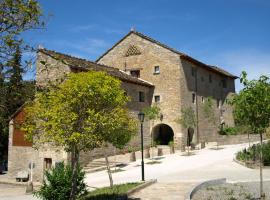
171 143
57 183
252 153
112 193
228 131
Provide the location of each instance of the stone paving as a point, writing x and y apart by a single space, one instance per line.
164 191
14 192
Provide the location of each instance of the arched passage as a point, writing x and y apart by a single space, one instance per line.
162 134
190 136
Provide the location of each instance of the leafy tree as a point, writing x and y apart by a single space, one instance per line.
187 118
152 113
16 17
84 112
253 107
15 84
209 111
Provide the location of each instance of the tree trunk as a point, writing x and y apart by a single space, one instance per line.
74 167
108 169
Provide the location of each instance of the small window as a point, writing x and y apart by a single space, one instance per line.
141 96
157 98
224 83
202 99
47 163
135 73
193 71
157 70
193 98
210 78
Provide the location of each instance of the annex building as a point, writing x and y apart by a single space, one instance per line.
151 73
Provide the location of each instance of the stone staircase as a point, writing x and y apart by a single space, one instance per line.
100 164
120 160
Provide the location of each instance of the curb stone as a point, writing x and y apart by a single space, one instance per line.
142 186
204 184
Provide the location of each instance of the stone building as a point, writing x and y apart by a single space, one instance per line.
151 73
180 81
52 67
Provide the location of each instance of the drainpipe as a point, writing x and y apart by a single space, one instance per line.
197 110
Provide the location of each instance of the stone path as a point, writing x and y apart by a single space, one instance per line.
14 192
160 191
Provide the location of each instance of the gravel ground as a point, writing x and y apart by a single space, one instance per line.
237 191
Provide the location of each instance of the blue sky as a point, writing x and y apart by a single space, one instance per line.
233 34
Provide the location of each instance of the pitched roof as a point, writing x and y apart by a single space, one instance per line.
182 55
85 65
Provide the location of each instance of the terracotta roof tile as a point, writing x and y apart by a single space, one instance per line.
83 64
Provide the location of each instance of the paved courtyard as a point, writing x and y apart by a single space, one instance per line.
175 170
175 174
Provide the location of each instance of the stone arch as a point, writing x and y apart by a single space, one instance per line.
162 134
190 136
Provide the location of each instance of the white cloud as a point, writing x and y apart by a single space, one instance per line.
254 62
79 28
89 47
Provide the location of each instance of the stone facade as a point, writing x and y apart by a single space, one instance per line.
178 78
49 71
168 78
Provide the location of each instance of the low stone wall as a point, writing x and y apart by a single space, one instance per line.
238 139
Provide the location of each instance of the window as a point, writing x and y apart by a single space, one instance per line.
141 96
193 98
47 163
157 98
224 83
202 99
157 70
210 78
135 73
193 71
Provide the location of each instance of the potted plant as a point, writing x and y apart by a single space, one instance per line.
132 157
147 153
171 144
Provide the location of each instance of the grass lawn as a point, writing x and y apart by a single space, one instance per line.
110 193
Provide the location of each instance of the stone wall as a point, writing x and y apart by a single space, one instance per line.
175 85
200 84
167 82
238 139
50 70
19 157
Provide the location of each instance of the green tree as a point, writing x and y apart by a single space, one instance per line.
152 113
253 107
86 111
16 17
187 118
209 111
15 84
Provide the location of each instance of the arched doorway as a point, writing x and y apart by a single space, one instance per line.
190 136
162 134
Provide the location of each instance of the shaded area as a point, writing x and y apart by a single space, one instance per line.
162 134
